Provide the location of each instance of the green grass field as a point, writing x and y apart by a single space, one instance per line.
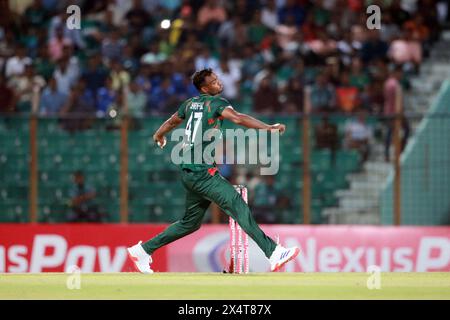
217 286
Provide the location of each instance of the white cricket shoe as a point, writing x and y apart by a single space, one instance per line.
140 258
281 256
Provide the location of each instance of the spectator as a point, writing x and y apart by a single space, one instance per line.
65 77
113 46
399 15
210 16
73 35
7 46
358 76
286 32
72 59
82 201
95 74
56 44
326 134
118 9
167 43
230 79
256 29
372 98
323 96
106 97
137 100
269 16
294 96
309 29
119 76
391 87
346 48
388 28
138 17
405 50
358 135
36 14
153 56
15 65
252 62
52 100
79 110
129 61
347 96
292 9
205 60
265 99
323 46
373 47
233 33
43 65
24 85
162 98
322 16
8 97
143 78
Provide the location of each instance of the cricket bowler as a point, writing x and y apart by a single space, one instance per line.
202 181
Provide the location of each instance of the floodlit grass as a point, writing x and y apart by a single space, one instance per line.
216 286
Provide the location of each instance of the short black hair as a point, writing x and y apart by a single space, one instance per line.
198 78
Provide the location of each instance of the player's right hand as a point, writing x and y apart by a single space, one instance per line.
278 126
160 141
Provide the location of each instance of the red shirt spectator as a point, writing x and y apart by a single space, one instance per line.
347 96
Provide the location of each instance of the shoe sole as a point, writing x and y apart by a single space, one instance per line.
279 266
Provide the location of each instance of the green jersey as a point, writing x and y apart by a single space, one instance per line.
204 121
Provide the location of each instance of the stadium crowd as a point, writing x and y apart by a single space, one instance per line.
268 49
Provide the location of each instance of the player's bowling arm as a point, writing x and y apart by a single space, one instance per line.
245 120
168 125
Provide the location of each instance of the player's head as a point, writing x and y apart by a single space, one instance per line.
206 81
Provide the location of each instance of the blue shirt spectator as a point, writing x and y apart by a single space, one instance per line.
373 48
323 97
95 75
52 100
106 96
291 8
161 96
112 46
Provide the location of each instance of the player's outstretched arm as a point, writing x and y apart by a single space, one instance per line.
168 125
245 120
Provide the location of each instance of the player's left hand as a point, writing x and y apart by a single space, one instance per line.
160 141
